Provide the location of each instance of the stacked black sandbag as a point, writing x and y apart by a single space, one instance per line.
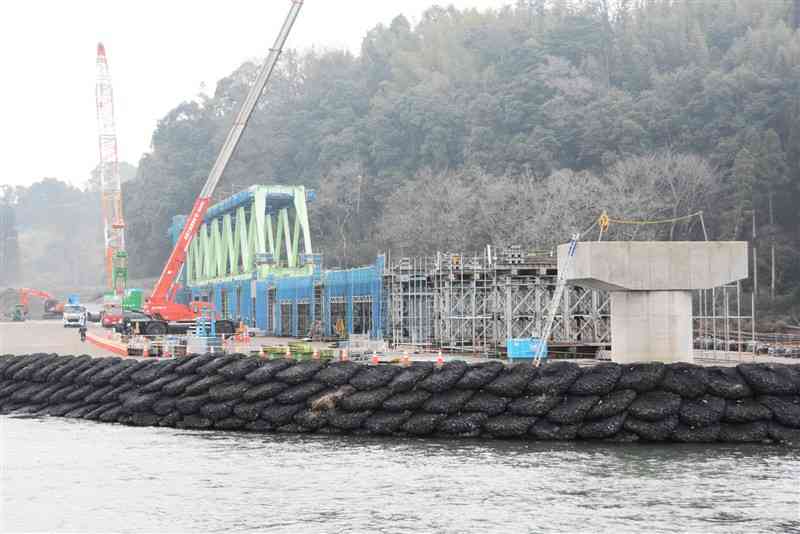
557 401
777 387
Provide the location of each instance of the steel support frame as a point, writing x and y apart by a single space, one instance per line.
228 245
475 305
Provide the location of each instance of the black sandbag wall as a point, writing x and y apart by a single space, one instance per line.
557 401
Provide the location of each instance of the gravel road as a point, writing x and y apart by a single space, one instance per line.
45 336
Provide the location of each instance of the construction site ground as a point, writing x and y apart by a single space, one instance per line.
51 336
45 336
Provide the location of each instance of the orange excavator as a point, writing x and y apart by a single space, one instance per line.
53 308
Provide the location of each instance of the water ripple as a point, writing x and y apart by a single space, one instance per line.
67 475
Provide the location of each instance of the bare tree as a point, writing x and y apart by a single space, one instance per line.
463 211
336 213
663 185
432 212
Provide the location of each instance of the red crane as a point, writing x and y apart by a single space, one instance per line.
160 308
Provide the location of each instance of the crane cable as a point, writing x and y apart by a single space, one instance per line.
604 221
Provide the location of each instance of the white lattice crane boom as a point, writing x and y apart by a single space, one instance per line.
110 183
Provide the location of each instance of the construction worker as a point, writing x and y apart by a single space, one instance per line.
82 331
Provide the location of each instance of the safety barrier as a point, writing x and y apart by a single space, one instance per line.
111 345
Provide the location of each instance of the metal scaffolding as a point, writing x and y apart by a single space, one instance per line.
723 324
475 303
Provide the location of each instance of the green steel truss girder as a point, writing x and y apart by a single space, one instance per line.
227 247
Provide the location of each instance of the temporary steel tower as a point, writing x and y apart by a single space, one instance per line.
110 186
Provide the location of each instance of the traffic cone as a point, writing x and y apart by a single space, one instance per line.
263 354
405 360
288 353
146 349
343 355
315 355
375 359
439 359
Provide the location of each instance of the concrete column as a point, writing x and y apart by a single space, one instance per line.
652 326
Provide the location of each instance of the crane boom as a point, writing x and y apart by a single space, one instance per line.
110 184
250 102
160 304
26 292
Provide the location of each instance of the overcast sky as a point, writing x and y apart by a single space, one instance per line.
159 51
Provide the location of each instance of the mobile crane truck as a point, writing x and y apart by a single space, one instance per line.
161 314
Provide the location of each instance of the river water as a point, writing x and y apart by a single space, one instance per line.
72 475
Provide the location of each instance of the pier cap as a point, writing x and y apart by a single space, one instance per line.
654 265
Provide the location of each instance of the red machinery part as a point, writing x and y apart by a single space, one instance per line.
161 305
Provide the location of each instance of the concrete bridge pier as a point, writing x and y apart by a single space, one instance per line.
651 284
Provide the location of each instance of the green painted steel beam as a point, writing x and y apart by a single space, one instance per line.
227 247
243 251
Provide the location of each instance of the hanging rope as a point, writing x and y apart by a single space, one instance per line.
603 221
661 221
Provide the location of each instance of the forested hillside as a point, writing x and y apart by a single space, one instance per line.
516 126
59 236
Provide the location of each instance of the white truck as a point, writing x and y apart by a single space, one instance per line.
74 315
